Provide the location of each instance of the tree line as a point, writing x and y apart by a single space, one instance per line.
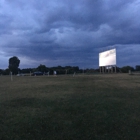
14 68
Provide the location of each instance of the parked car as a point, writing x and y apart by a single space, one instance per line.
37 73
20 74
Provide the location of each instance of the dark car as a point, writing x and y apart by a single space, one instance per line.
37 73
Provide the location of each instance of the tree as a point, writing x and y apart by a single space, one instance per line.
126 69
138 68
14 64
27 70
42 68
6 72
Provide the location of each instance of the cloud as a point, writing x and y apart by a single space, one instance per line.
69 32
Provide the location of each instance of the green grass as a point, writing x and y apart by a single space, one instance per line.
105 106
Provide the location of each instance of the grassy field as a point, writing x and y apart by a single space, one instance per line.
83 107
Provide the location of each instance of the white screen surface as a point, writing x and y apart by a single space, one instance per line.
107 58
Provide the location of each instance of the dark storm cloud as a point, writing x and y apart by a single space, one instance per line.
68 32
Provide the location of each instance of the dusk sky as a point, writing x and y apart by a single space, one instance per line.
69 32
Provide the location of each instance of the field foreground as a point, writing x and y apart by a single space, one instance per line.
65 107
